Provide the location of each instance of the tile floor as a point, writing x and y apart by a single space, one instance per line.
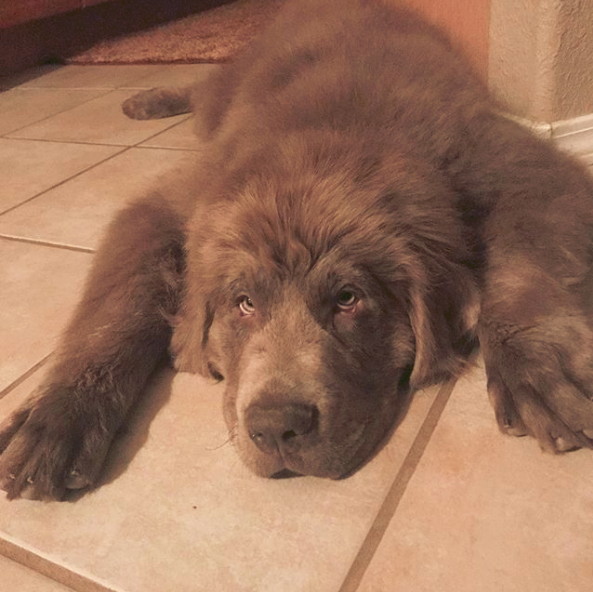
449 504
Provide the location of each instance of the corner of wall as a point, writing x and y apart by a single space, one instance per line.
541 57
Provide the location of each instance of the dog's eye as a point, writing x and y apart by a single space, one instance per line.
346 300
246 305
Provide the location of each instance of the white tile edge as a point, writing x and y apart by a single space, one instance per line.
572 135
50 566
575 135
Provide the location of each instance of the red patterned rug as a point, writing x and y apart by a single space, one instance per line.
215 35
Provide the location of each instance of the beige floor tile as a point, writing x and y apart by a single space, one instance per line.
487 512
21 78
180 137
175 75
100 76
16 578
19 108
77 212
100 121
28 168
40 286
178 511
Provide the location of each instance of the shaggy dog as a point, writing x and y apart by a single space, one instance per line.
361 213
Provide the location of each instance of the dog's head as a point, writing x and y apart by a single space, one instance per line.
313 296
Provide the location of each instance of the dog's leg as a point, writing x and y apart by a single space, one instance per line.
158 103
59 438
534 208
209 98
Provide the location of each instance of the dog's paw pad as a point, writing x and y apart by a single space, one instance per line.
135 108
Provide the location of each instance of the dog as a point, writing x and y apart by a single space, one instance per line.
361 214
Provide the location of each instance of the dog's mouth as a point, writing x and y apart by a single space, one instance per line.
285 474
331 458
287 424
280 437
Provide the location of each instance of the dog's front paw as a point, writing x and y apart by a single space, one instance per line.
49 446
540 382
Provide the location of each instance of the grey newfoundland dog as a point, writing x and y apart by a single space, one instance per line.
362 212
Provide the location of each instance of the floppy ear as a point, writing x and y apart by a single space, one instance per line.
191 329
431 348
443 324
191 343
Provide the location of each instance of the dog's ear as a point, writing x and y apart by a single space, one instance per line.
443 323
192 346
191 329
430 351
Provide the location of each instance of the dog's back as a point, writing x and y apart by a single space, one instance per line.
363 69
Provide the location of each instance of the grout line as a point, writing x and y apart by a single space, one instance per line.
65 110
123 147
186 117
125 85
8 136
171 148
123 150
101 88
43 564
25 88
43 243
396 491
13 385
36 73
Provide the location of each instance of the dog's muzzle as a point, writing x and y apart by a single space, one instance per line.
282 427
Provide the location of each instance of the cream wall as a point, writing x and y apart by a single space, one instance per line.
467 23
541 57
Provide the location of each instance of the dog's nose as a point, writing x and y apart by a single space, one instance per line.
277 427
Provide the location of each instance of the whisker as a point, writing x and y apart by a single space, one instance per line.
228 440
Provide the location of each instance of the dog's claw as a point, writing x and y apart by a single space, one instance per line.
77 481
518 431
563 445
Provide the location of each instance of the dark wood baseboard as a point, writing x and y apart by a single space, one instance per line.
55 38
